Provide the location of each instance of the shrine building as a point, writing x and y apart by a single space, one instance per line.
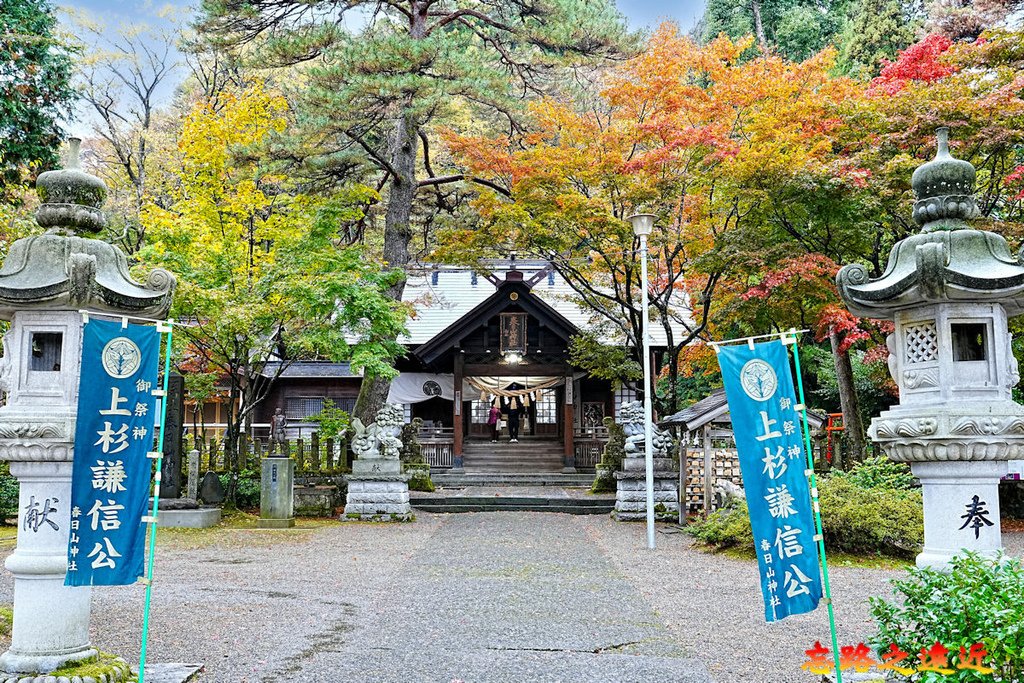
475 340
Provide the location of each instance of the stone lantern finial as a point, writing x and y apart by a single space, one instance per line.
71 198
944 188
65 269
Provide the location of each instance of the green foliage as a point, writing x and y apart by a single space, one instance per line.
103 664
868 381
726 527
8 493
247 489
979 600
870 520
333 422
603 361
798 29
419 479
861 520
878 30
879 472
6 620
35 91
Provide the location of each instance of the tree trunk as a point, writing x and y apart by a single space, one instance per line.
762 40
397 235
853 428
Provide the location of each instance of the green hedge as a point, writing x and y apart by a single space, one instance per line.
865 512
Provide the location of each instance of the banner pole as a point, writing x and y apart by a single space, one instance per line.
817 509
156 503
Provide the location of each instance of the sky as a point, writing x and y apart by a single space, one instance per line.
641 14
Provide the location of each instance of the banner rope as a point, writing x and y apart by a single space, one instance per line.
148 580
789 338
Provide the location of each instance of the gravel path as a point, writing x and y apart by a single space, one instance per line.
482 597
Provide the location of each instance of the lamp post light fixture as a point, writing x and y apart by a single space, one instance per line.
643 223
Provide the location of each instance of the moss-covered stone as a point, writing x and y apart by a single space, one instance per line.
611 458
104 666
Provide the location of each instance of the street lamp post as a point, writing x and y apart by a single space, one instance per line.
642 225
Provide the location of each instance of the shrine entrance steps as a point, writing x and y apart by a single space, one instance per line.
569 500
530 455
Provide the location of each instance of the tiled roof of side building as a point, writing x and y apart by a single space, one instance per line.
443 294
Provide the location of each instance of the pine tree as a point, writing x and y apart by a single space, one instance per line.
370 95
35 91
878 30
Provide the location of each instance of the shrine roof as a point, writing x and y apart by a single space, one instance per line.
442 295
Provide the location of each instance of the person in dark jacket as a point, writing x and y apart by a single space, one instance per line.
514 408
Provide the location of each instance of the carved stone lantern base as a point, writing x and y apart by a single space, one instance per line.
961 509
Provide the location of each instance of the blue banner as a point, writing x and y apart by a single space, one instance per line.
766 424
111 474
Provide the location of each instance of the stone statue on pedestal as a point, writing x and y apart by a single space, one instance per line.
378 490
631 482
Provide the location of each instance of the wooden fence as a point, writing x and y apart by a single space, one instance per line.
312 455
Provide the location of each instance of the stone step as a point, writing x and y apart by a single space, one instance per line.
447 479
506 501
565 509
456 504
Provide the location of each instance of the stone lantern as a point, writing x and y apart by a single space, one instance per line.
44 282
949 290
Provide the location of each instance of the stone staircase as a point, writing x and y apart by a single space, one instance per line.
530 455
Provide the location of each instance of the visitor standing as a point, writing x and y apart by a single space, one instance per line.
493 419
514 406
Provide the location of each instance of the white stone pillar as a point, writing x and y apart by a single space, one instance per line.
37 426
51 620
961 509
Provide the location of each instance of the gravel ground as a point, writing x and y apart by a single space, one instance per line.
472 597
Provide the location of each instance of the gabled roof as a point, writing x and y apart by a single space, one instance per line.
714 407
497 302
443 294
309 369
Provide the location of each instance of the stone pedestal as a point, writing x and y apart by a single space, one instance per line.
631 491
276 497
377 497
51 620
961 509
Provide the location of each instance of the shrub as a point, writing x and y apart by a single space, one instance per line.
726 527
979 601
247 494
854 519
419 477
868 520
8 493
879 472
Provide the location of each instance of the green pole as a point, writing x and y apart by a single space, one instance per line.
817 511
156 502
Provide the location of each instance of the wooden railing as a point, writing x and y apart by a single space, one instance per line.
437 445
